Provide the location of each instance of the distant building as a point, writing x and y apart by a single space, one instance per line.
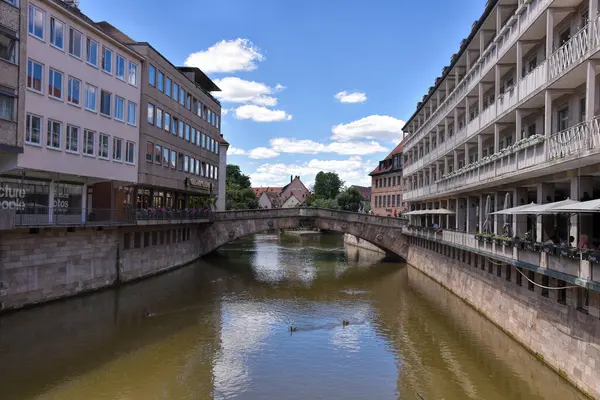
386 197
291 202
281 197
365 191
269 199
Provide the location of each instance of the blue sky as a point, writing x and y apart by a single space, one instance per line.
281 63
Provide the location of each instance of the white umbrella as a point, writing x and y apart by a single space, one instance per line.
515 210
507 225
584 206
548 208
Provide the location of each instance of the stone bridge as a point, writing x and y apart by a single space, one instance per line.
383 232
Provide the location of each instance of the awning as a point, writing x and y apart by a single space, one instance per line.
415 212
584 207
438 211
514 210
549 208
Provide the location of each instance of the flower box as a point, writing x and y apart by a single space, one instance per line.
569 252
591 255
532 246
547 248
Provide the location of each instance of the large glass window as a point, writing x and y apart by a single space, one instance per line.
187 132
105 102
181 96
91 52
33 133
57 33
117 149
181 129
35 75
119 108
130 153
37 19
186 163
7 106
161 81
74 93
180 161
175 91
188 101
563 118
175 125
54 134
120 67
173 159
72 143
168 88
166 153
158 154
167 121
103 146
8 46
149 151
88 142
152 75
159 117
107 56
91 92
197 167
193 135
132 76
55 84
131 113
75 42
150 116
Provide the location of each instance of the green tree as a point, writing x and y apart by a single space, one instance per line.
319 202
350 199
240 195
235 176
327 185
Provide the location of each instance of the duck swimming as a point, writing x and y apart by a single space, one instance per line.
345 322
293 329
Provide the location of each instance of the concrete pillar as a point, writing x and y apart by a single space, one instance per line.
519 61
467 111
466 153
519 221
84 203
498 20
549 33
480 147
221 193
481 43
496 207
458 219
590 87
496 138
447 85
455 121
547 116
468 54
455 167
445 129
471 215
445 164
481 211
456 77
545 194
593 10
518 125
480 98
582 224
496 82
51 195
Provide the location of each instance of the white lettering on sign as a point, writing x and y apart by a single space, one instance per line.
12 199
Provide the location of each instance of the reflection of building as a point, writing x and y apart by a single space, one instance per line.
386 188
365 192
281 197
13 65
82 116
179 131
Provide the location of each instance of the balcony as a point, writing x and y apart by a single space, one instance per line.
570 53
533 81
506 101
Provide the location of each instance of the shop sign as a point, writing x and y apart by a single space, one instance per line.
12 198
197 183
61 201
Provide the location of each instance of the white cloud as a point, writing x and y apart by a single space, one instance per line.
226 56
353 170
236 90
234 151
381 127
306 146
262 152
260 114
356 97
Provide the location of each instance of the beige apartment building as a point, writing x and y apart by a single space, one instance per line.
386 185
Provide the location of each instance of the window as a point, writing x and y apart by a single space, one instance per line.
564 36
105 100
8 47
563 118
193 136
166 153
74 92
161 81
175 124
181 129
6 106
198 138
159 117
181 96
37 18
72 143
180 161
197 167
57 33
168 86
132 75
103 146
33 133
149 151
106 59
117 149
203 141
173 159
54 134
55 84
209 116
167 121
35 75
90 97
120 67
186 163
91 52
158 154
88 142
75 42
219 121
175 91
188 101
199 109
130 153
152 75
582 109
150 117
187 132
131 113
192 165
202 169
119 108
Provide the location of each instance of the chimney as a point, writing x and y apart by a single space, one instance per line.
291 178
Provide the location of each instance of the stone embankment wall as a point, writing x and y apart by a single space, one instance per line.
561 335
361 243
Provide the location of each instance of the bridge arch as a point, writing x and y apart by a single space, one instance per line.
383 232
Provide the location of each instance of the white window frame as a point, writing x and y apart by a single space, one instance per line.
101 136
109 107
166 161
52 38
80 56
127 145
130 75
168 92
117 57
122 119
115 142
43 81
28 122
95 109
103 61
69 84
167 126
86 133
68 139
159 119
31 10
173 159
88 53
160 81
49 134
51 78
148 107
129 104
10 101
175 92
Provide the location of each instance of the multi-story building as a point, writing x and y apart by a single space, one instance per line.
81 125
365 192
179 131
386 185
13 65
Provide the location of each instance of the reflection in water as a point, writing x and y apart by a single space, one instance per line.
221 329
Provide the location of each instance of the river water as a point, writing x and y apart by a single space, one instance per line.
220 328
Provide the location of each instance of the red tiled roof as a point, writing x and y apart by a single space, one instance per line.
397 150
259 191
365 191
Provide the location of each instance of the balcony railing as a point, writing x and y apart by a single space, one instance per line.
506 101
570 53
577 140
533 81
